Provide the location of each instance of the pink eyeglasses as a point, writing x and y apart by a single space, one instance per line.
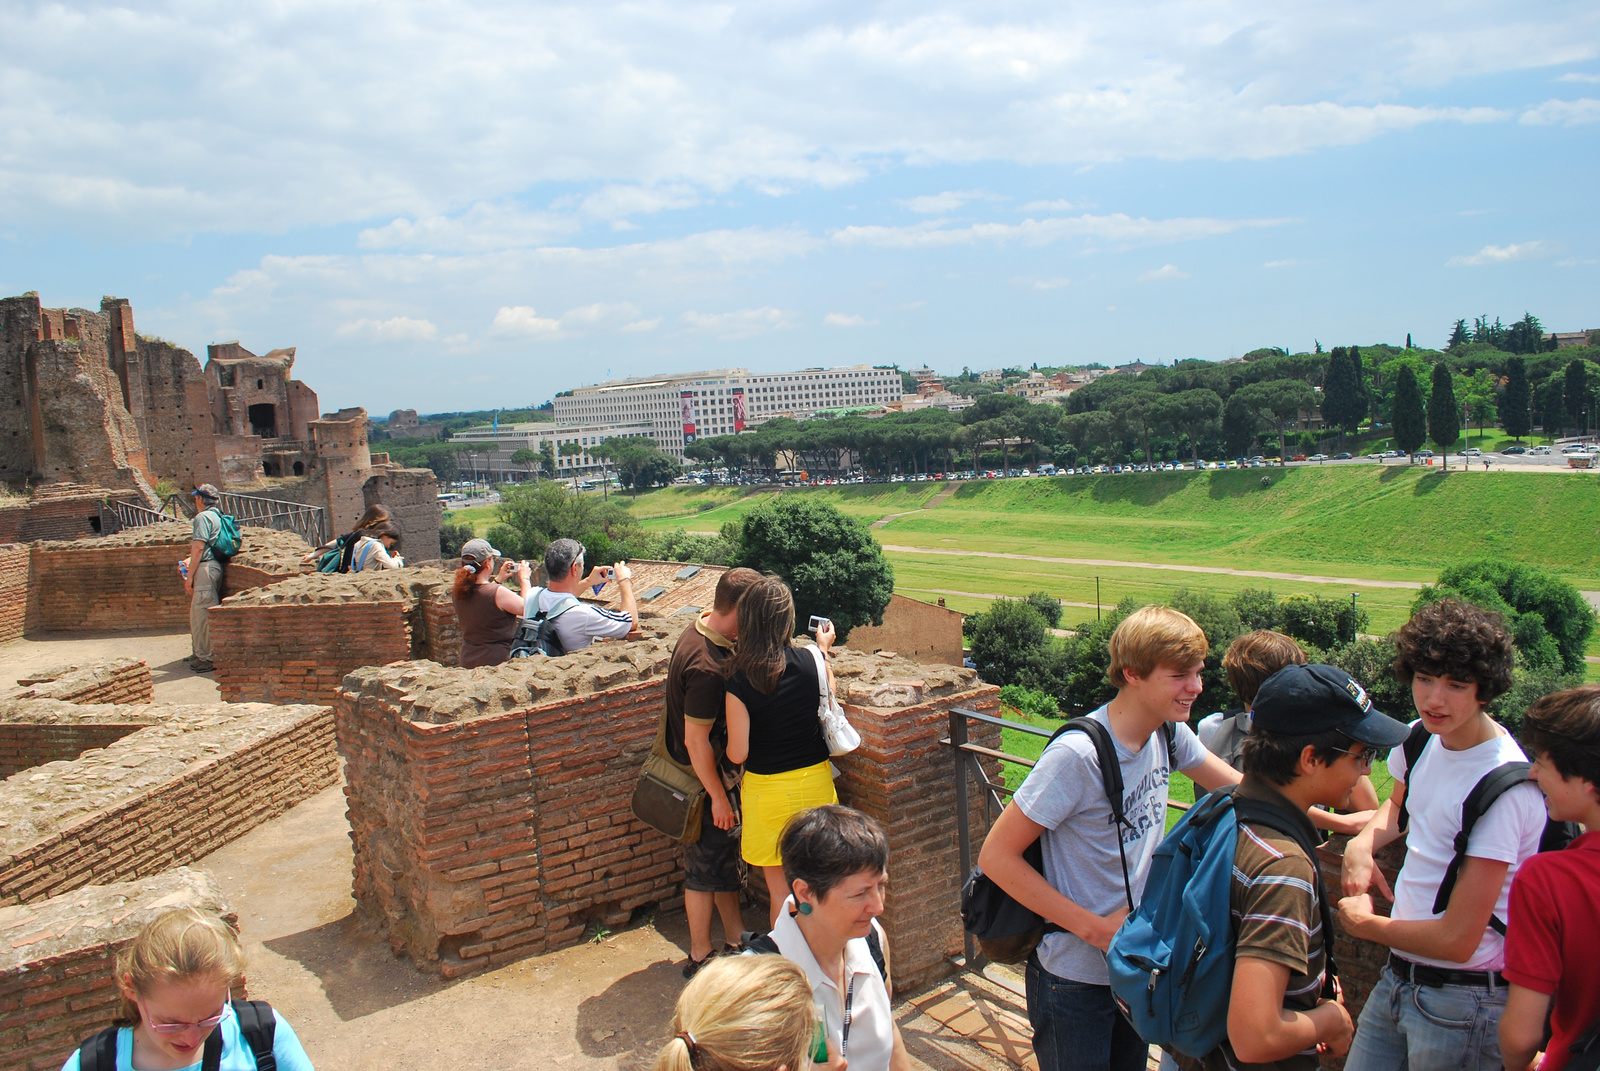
204 1025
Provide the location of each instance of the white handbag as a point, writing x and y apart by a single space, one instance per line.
837 731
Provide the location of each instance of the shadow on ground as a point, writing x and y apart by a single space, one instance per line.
358 971
631 1018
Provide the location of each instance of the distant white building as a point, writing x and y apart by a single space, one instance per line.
677 409
498 444
993 375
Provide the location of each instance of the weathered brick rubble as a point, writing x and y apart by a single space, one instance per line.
119 680
57 959
490 814
164 795
379 585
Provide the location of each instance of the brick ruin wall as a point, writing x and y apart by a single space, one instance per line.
130 580
294 642
412 497
13 590
117 680
166 795
172 406
489 808
46 738
57 976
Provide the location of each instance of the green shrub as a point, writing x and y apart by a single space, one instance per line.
1030 701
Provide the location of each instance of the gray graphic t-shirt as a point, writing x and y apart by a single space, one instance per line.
1064 794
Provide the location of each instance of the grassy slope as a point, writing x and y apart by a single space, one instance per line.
1393 522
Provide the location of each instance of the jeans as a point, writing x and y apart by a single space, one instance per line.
1407 1027
1077 1027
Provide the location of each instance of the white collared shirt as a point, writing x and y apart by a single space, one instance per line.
871 1041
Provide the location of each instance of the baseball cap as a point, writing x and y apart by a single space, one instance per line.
208 492
478 551
1301 700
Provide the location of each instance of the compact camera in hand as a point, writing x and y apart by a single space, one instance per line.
818 622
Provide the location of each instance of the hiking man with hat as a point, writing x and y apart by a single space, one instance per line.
202 574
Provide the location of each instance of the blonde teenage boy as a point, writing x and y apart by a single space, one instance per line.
1156 657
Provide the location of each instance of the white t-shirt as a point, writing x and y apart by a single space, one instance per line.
580 626
1508 833
1064 793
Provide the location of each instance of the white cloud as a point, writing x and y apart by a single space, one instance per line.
523 320
948 201
394 329
272 117
1575 262
1504 254
642 325
842 319
1117 228
1048 206
1578 76
1043 284
1163 273
1563 113
742 323
1280 263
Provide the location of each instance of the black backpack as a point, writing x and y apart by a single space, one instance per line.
257 1025
765 945
536 633
1006 931
1490 787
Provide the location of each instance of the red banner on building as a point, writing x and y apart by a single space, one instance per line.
686 400
738 410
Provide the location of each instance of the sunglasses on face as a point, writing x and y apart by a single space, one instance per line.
1364 758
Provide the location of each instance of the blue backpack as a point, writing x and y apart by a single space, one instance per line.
1171 962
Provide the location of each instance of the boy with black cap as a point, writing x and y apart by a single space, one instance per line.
1314 735
1438 1002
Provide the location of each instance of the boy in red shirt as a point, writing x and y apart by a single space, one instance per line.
1553 940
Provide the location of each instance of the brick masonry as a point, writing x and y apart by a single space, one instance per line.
490 808
13 590
130 580
57 976
916 630
163 796
33 733
296 641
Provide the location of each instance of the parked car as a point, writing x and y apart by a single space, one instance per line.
1539 450
1315 457
1345 456
1423 453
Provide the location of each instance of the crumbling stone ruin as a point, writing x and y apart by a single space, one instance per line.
89 402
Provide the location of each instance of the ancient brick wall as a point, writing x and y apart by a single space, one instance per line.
295 641
23 746
161 797
490 808
176 417
19 329
13 590
57 976
1360 962
443 642
65 511
412 497
345 464
916 630
82 433
117 680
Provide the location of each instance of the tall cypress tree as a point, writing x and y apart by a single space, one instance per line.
1363 395
1408 338
1458 335
1444 416
1516 400
1340 405
1577 391
1552 407
1410 421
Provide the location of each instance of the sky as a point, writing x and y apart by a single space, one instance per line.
462 206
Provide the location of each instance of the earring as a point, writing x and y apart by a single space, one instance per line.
805 909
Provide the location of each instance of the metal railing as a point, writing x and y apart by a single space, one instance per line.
968 761
308 522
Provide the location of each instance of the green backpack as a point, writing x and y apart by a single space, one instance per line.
228 540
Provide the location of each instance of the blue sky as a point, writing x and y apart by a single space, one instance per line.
463 206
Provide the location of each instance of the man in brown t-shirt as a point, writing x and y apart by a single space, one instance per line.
1313 735
697 736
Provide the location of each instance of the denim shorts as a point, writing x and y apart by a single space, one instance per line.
1428 1028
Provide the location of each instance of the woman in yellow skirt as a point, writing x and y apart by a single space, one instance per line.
772 698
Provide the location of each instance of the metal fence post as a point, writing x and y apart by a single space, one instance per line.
958 740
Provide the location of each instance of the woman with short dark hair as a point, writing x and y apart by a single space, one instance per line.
836 863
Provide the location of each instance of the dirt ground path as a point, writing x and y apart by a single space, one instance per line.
1107 563
163 651
605 1004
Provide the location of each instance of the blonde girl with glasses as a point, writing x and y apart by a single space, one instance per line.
177 1010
